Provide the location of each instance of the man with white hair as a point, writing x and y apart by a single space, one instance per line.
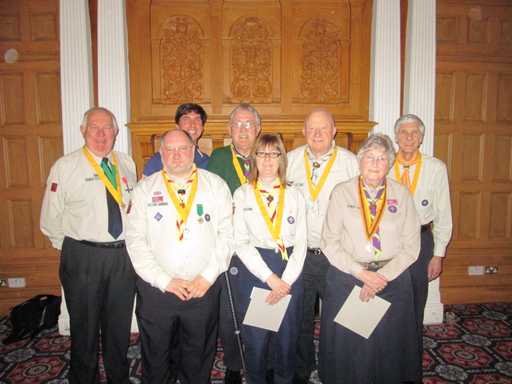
427 179
84 207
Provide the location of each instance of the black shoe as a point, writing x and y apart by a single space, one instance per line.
232 377
269 376
297 379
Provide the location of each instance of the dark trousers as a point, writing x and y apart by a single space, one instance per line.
160 315
313 278
388 356
258 342
232 359
99 287
419 276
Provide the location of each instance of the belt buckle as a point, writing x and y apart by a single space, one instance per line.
316 251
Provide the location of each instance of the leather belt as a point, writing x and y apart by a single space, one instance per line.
426 227
112 244
374 266
315 251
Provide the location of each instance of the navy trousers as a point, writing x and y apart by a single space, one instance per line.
260 342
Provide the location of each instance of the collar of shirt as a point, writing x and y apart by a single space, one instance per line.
99 159
323 158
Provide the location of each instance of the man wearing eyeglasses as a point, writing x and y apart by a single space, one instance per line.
179 234
232 164
315 169
191 118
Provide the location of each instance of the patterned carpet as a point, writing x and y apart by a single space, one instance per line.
473 345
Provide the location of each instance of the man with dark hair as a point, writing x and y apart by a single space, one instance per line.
191 118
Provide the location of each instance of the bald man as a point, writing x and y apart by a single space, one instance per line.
179 233
315 169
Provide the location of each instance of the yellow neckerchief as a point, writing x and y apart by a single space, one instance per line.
273 226
314 191
370 225
115 192
236 164
417 160
183 212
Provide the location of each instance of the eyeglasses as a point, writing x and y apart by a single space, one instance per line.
375 159
265 155
247 124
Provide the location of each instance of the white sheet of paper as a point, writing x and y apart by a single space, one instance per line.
359 316
263 315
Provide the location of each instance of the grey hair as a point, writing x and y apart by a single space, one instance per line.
189 138
379 140
248 108
409 118
90 111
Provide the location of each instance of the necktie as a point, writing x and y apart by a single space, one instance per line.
115 223
373 215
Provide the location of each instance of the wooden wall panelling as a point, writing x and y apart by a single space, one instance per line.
30 141
284 57
474 138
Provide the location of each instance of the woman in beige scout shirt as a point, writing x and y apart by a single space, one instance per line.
370 236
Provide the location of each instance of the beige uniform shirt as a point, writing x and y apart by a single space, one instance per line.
75 200
344 239
251 231
156 253
432 200
344 168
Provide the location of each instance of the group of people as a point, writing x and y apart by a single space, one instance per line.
196 234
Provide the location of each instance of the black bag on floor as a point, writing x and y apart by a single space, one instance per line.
30 317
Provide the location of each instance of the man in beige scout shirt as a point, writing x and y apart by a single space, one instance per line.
84 207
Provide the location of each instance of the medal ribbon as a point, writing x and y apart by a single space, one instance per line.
418 161
372 213
238 168
314 191
182 210
115 191
273 223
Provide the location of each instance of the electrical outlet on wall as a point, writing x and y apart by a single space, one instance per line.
16 282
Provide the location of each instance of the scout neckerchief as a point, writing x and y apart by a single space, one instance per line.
372 210
182 208
405 179
242 175
314 191
274 220
113 188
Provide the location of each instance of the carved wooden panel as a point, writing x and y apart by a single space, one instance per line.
12 107
284 57
473 135
30 141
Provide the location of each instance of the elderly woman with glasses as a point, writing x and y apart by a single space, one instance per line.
371 236
270 241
